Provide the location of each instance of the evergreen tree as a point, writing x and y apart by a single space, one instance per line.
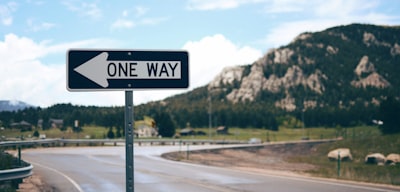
110 133
166 126
389 113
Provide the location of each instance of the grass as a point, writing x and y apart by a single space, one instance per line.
235 133
93 132
287 134
356 169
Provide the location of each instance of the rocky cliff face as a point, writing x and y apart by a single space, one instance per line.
346 57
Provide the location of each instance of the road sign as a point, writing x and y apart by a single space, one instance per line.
101 70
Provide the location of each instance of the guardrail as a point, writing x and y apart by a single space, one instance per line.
16 173
139 142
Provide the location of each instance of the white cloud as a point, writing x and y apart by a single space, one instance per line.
322 15
87 9
122 24
208 56
286 6
25 77
140 11
127 22
6 13
286 32
35 26
217 4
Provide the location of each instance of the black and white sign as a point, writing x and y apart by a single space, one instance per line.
89 70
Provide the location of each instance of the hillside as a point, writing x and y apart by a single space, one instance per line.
338 76
6 105
334 67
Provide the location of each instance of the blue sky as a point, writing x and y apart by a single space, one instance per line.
36 34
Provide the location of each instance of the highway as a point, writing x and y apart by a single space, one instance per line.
94 169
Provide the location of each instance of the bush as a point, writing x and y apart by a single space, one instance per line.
36 133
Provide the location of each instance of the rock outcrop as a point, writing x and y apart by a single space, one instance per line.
316 64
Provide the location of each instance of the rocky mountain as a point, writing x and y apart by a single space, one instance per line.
334 67
13 105
335 77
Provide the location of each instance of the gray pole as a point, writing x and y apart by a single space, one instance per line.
209 117
129 140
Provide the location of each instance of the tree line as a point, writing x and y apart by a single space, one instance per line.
179 112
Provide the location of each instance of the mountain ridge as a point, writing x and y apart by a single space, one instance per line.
13 105
292 66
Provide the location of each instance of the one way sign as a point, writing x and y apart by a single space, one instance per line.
91 70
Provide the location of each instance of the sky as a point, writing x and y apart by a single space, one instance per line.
35 36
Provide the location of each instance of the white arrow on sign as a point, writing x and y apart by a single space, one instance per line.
100 70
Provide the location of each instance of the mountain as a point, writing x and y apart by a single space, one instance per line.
8 105
335 77
335 67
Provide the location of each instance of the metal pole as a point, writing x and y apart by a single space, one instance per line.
209 117
338 164
19 155
129 140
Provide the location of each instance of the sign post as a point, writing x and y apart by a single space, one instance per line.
116 70
129 140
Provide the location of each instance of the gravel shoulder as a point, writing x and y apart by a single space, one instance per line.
256 158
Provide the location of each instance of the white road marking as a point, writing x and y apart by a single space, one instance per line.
62 174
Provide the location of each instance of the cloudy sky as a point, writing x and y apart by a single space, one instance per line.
36 34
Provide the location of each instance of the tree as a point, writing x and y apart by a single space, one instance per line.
389 114
110 133
166 126
36 133
119 132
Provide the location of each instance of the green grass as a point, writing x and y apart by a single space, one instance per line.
356 169
235 133
94 132
288 134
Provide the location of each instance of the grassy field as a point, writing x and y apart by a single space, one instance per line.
284 134
288 134
357 169
93 132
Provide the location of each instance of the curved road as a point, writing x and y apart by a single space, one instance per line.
94 169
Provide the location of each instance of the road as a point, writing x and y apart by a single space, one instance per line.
94 169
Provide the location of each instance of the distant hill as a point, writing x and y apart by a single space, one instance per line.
7 105
338 76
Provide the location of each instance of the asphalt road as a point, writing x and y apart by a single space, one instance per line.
103 169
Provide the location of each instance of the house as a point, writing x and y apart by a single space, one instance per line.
23 125
145 131
52 123
56 123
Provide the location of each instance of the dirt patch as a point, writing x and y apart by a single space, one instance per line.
265 157
35 183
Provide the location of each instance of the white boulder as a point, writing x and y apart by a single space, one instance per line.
392 159
375 158
345 154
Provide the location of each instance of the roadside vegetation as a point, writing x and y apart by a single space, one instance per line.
235 133
356 169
